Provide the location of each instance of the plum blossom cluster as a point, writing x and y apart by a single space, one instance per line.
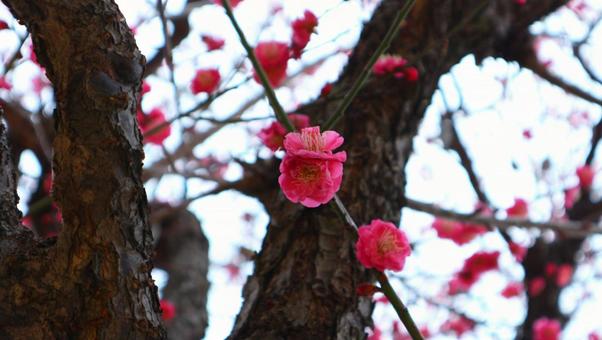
546 329
474 267
458 325
310 172
302 30
382 246
395 65
458 232
273 56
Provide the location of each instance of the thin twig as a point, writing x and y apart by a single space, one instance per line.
570 229
359 82
269 91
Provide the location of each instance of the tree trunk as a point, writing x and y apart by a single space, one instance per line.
94 281
306 274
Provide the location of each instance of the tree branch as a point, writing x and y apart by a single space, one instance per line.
566 229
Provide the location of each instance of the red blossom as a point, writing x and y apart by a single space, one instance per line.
586 174
272 136
513 289
145 88
149 124
520 208
376 334
233 3
5 84
571 196
472 270
400 334
411 74
168 309
517 250
302 30
381 245
459 233
550 269
213 43
205 80
458 325
325 91
564 274
536 286
310 172
546 329
389 64
3 25
366 289
527 134
273 58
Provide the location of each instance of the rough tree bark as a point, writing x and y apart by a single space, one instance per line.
306 273
94 281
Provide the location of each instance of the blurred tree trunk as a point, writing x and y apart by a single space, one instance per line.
306 273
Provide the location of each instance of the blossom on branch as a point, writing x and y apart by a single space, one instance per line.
272 136
381 245
273 58
520 208
302 30
168 309
154 126
205 80
310 172
586 175
472 270
213 43
546 329
395 65
513 289
459 233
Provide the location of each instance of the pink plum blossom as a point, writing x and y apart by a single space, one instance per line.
273 58
310 172
302 30
381 245
546 329
512 289
272 136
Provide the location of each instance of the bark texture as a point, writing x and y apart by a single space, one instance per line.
306 273
93 282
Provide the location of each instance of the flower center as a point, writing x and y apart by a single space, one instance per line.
386 244
308 173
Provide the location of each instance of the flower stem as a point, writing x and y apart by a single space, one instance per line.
400 308
269 91
359 82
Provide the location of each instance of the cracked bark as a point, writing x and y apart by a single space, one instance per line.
93 282
306 273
